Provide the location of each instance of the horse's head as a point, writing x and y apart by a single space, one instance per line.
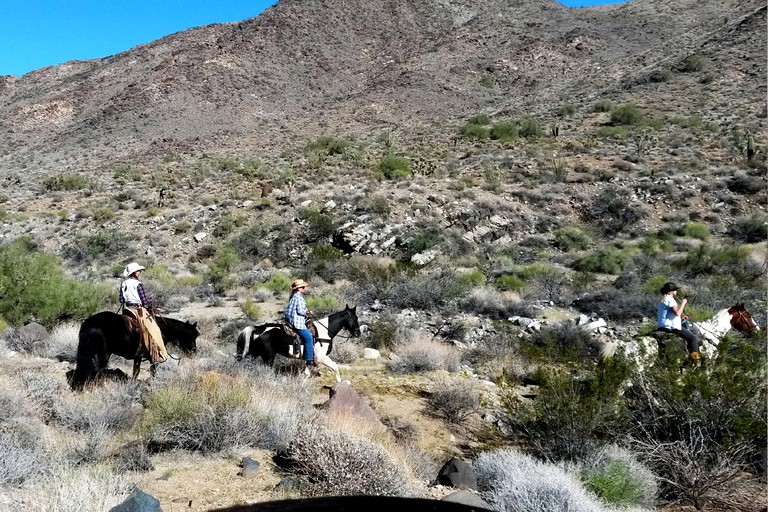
350 321
741 320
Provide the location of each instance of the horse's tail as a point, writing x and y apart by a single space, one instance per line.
85 369
243 338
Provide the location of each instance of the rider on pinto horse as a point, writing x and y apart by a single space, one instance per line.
296 316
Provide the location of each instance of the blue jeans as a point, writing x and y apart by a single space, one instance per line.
309 344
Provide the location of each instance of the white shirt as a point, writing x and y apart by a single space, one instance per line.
667 317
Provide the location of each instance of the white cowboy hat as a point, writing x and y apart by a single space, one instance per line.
131 268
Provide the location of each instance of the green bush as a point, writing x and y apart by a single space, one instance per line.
749 230
614 210
107 243
617 478
475 131
503 131
222 266
661 75
66 182
394 167
694 63
529 128
479 120
383 332
33 286
697 230
320 225
626 115
613 132
602 106
473 277
570 238
423 239
327 145
565 109
509 282
606 260
278 283
251 310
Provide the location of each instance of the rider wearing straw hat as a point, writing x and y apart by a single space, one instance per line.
670 317
296 317
133 298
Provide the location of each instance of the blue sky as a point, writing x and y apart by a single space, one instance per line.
39 33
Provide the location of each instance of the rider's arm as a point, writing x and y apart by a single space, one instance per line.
679 309
145 301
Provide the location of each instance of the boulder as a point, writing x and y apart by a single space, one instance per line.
250 468
457 473
467 498
138 501
371 353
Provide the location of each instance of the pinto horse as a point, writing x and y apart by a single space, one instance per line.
268 340
107 333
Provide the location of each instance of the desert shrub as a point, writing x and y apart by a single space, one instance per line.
327 145
325 261
425 290
383 332
613 210
22 453
319 224
503 131
697 230
509 282
66 182
570 417
251 244
90 488
602 106
700 430
473 277
529 127
87 412
616 476
424 238
278 283
424 355
510 480
570 238
107 243
613 132
565 109
661 75
455 399
346 352
221 267
475 131
491 303
322 304
33 286
741 183
394 167
725 261
618 305
606 260
750 230
336 463
693 63
207 413
480 120
562 342
627 115
251 310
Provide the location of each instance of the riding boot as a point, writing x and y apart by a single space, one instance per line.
696 359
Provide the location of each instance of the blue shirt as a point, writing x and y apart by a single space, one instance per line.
296 312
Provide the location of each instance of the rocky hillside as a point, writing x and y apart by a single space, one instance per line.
302 69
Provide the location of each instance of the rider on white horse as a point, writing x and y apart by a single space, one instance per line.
670 317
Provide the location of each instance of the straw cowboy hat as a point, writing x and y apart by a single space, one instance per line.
668 287
131 268
299 283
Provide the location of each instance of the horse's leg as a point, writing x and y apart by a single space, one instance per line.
152 370
323 359
136 367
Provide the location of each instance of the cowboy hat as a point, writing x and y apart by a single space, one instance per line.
668 287
132 268
299 283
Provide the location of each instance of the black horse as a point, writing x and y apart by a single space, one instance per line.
107 333
268 340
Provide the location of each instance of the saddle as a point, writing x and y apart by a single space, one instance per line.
132 321
298 343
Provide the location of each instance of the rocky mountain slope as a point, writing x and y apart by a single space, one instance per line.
306 68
